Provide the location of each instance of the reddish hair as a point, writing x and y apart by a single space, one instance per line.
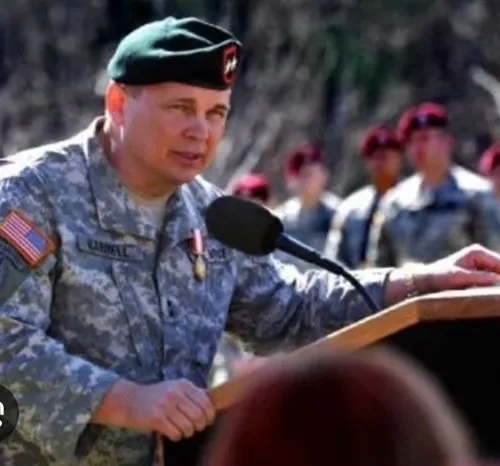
344 409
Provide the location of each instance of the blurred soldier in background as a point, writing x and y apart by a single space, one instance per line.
440 209
489 166
254 186
348 239
308 214
231 354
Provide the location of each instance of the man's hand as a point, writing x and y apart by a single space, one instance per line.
248 364
473 266
175 409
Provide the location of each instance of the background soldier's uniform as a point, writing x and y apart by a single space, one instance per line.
419 225
488 166
119 298
310 226
348 238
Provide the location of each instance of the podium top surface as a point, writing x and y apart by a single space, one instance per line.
473 303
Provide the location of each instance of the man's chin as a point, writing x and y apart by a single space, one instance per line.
187 177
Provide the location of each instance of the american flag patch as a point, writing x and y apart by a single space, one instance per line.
28 240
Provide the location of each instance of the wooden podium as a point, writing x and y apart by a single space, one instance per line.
455 335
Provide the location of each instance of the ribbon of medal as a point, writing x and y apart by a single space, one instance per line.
198 248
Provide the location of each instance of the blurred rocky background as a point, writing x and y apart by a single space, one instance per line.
315 70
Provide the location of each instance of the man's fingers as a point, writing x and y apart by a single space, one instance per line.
469 278
487 260
180 420
195 413
169 430
203 402
476 257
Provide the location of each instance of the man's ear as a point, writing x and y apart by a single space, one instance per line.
115 99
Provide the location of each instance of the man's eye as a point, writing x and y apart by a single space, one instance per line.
219 113
179 107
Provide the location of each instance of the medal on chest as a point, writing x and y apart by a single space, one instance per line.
198 249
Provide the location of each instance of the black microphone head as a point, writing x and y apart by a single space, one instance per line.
243 225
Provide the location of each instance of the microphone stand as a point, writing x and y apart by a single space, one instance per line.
297 249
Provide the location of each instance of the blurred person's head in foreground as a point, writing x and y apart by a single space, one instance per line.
424 131
253 186
489 166
382 153
350 409
306 174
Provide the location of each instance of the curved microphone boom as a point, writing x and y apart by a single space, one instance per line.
252 229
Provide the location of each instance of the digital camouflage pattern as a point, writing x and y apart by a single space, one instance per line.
119 298
419 225
350 230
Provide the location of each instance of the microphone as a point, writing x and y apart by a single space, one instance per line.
248 227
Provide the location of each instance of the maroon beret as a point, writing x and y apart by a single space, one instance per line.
489 160
254 186
302 156
380 137
425 115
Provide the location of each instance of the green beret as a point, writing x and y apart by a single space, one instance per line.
186 50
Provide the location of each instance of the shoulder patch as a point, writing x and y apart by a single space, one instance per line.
28 240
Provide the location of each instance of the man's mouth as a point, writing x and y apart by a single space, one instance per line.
189 157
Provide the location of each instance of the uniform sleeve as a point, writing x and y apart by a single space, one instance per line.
276 308
56 392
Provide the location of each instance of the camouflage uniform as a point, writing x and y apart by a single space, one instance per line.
118 298
415 224
310 226
348 238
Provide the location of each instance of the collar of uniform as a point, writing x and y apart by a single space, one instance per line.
184 216
446 188
417 196
116 210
